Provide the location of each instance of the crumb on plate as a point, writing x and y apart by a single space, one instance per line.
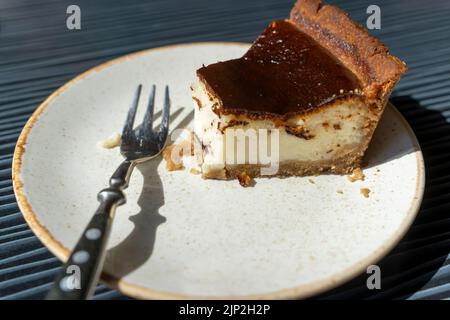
365 192
245 180
176 153
173 155
356 175
112 141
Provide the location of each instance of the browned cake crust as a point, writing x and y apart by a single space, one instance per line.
364 55
284 73
342 165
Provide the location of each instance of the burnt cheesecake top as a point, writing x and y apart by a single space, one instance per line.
284 72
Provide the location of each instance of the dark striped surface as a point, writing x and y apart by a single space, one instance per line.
38 54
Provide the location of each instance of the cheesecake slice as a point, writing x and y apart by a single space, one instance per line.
305 99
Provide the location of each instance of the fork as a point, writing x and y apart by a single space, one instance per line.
80 274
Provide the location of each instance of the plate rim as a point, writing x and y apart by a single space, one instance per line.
141 292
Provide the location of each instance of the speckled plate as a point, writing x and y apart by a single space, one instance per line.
183 237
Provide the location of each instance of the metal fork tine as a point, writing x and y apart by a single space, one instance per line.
147 124
128 128
165 117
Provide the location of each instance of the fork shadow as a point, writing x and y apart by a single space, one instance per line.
133 251
416 260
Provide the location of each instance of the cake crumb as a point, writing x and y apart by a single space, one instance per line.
195 171
173 163
113 141
356 175
311 181
245 180
179 152
173 155
339 191
365 192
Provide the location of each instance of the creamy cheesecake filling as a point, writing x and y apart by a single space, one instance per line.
334 131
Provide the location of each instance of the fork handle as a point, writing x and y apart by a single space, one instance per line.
80 273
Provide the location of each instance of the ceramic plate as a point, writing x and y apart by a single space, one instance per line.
180 236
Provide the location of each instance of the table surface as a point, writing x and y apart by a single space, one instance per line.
38 54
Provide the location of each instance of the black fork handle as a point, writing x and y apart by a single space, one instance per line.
80 273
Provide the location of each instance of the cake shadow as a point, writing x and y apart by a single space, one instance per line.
391 140
413 264
137 247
